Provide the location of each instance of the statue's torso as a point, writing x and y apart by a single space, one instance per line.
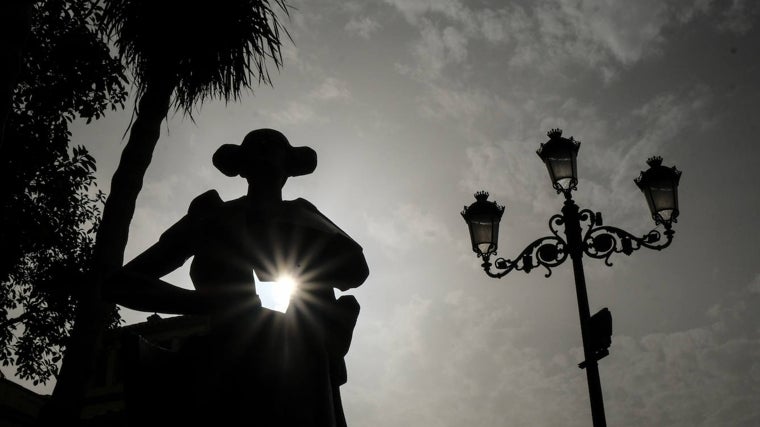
230 240
230 244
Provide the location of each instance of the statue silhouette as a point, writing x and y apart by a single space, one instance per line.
256 367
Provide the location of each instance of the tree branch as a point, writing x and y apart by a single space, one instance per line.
13 321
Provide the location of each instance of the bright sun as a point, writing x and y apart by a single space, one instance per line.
283 289
276 295
285 286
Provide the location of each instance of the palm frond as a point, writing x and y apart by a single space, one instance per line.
206 49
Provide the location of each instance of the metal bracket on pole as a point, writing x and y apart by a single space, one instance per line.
600 329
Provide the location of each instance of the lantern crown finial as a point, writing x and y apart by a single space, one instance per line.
554 133
654 161
481 196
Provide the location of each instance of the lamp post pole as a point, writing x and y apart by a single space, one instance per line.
573 235
584 233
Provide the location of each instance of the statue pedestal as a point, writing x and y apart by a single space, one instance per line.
256 368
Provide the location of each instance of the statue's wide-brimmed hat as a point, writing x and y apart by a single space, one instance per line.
264 144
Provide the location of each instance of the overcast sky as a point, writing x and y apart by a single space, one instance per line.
413 105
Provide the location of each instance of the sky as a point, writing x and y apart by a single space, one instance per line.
414 105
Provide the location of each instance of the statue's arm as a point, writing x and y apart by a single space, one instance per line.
347 268
138 284
346 271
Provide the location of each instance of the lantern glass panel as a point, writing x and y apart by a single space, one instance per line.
484 232
663 199
561 170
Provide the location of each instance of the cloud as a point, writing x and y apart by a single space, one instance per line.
363 27
690 9
628 31
464 105
163 192
604 36
445 41
306 62
432 363
505 167
493 29
754 286
406 228
660 121
290 55
295 113
413 10
331 89
739 17
435 49
704 376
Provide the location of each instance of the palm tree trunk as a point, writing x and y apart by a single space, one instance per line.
92 312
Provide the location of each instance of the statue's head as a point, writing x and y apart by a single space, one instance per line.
265 154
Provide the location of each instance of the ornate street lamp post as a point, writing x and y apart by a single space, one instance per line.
584 233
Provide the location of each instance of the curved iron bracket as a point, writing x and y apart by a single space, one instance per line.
601 241
547 252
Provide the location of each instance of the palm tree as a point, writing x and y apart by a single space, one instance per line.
180 53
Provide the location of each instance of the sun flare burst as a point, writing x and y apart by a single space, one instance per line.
286 286
276 295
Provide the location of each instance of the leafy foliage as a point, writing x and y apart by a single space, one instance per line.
205 49
50 205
